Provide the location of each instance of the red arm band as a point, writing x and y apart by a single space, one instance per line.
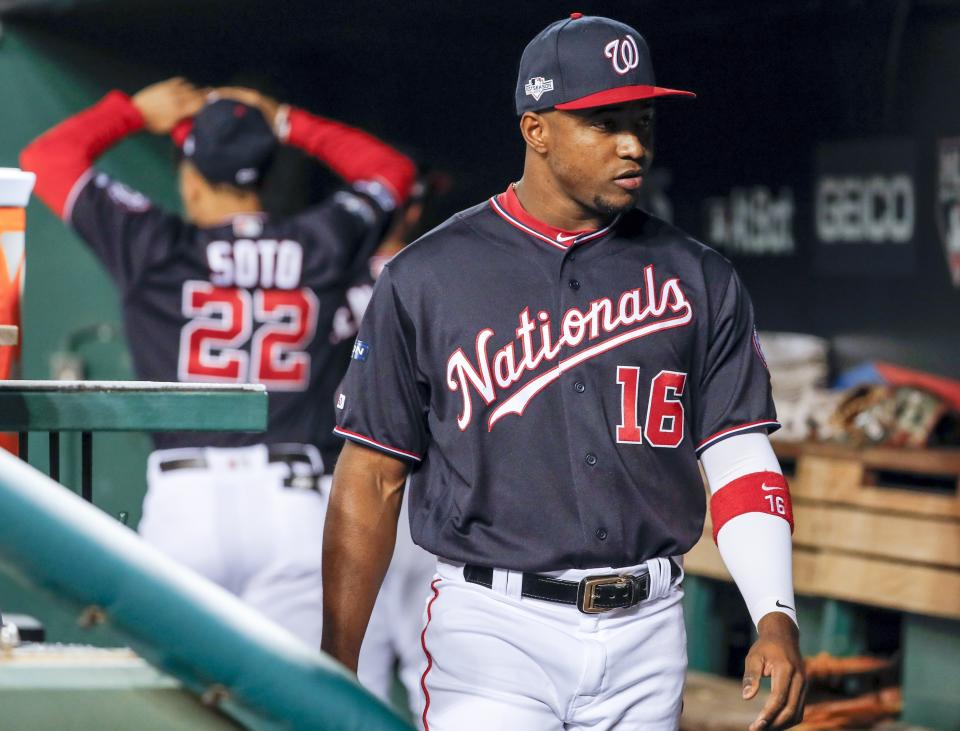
759 492
352 154
62 155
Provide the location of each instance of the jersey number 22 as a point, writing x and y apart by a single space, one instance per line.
278 324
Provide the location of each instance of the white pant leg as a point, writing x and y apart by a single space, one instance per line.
645 665
283 548
184 517
495 660
377 661
392 640
241 528
491 664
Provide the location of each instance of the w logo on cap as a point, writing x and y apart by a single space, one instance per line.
623 54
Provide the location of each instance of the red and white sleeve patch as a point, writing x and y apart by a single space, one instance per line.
380 446
758 492
770 424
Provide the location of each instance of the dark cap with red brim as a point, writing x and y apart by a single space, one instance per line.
228 142
586 61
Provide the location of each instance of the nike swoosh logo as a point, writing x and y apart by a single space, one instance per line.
561 238
785 606
768 488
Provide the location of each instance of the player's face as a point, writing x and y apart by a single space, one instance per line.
599 156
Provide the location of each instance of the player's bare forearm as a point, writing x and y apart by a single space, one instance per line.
776 654
358 541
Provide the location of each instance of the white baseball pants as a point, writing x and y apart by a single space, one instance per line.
496 660
234 522
392 641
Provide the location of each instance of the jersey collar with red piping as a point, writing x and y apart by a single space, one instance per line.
508 207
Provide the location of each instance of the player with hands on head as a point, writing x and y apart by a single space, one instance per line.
229 295
166 103
549 367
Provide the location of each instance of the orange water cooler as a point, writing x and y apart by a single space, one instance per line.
15 187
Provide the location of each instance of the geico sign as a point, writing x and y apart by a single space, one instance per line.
877 209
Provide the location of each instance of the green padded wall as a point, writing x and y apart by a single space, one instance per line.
42 80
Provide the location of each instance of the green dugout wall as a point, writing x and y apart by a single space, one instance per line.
43 80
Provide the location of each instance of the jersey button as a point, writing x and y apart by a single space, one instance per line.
601 534
579 387
590 459
574 284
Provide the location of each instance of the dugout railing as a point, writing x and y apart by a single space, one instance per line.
54 542
86 407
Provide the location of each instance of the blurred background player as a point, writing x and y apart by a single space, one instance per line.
392 642
230 295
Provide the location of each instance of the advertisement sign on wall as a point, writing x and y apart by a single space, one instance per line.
865 208
752 221
948 203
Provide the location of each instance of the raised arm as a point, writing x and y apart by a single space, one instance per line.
61 156
358 541
351 153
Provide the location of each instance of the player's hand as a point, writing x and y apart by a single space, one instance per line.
776 654
167 102
267 105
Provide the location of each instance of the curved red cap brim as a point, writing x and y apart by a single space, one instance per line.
619 95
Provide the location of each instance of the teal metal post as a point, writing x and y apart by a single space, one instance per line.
931 672
842 629
706 638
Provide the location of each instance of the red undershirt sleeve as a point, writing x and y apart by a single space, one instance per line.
61 156
352 154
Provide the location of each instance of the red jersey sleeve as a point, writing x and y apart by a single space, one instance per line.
61 157
351 153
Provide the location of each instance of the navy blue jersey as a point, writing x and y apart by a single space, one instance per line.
249 301
552 393
346 324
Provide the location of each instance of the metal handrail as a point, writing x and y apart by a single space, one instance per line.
122 406
218 647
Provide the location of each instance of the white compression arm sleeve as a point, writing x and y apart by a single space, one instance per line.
755 547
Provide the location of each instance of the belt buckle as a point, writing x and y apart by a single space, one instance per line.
585 592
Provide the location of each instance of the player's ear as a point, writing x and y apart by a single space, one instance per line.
534 131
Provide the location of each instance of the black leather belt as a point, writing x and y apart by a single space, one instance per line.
591 595
276 453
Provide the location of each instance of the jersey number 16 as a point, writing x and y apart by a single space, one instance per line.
664 423
278 324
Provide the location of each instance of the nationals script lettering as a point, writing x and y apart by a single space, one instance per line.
635 314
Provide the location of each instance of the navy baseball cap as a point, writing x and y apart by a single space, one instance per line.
230 142
586 61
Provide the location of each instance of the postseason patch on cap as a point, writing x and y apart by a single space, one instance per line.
536 86
360 351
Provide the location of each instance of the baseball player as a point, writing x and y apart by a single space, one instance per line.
231 295
550 366
391 645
